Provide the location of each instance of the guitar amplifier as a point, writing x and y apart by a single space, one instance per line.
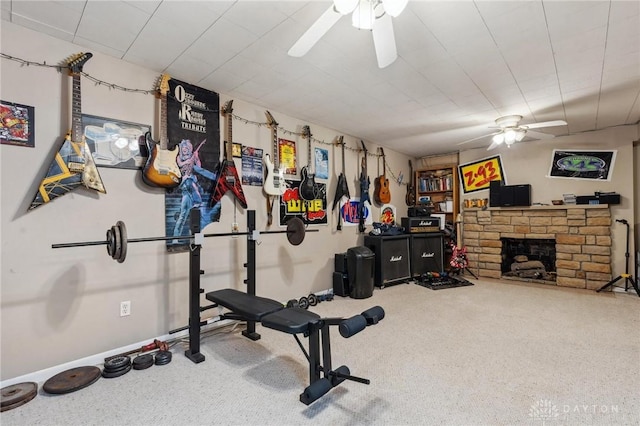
421 225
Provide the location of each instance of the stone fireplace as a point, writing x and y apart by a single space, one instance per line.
530 258
582 235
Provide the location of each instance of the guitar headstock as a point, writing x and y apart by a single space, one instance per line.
382 152
306 132
162 87
340 140
271 122
76 62
227 108
364 148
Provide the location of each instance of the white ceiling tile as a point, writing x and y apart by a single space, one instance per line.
43 28
61 16
255 16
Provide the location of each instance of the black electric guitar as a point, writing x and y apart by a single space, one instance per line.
161 169
227 179
342 189
73 164
364 190
410 198
309 189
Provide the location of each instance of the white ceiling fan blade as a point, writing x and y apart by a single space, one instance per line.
494 144
545 124
384 41
315 32
475 139
539 135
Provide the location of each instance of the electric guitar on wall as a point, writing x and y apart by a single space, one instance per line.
364 190
73 164
274 183
161 169
459 254
410 198
381 193
342 189
309 189
227 179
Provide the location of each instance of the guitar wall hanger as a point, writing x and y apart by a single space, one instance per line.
117 240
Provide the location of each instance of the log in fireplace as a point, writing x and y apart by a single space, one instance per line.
529 258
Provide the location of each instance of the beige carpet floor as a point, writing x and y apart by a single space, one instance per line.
495 353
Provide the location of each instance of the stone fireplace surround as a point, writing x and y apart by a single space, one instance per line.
582 234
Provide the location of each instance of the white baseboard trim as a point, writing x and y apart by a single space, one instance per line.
98 359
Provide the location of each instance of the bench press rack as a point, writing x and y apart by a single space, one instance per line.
273 314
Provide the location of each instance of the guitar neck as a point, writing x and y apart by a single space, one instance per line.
164 141
343 167
274 136
228 122
76 110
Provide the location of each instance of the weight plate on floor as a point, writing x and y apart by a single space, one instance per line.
295 231
142 360
72 380
112 374
163 357
303 303
16 395
141 366
123 241
117 363
313 299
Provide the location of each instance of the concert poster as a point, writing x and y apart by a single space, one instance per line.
312 212
17 125
287 155
350 212
193 126
579 164
321 157
252 166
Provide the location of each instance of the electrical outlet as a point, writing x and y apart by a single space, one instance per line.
125 308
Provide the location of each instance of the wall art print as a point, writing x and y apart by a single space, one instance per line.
582 164
17 124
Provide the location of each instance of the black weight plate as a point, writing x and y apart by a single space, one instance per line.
117 363
295 231
72 380
313 299
18 394
303 303
116 370
123 241
142 360
141 366
118 246
110 375
163 357
111 242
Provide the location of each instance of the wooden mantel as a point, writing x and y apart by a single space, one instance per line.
582 234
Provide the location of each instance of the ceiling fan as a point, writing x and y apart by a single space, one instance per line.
510 131
374 15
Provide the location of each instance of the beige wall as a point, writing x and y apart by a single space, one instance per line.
62 305
530 162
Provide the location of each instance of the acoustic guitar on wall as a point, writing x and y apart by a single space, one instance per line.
161 169
381 193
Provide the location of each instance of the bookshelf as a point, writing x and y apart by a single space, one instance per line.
440 185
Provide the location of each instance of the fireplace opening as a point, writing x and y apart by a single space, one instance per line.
529 258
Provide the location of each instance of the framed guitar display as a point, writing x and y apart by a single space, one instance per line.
116 143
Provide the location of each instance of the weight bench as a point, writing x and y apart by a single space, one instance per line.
294 320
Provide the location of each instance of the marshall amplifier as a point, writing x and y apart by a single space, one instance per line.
419 211
392 263
413 225
426 253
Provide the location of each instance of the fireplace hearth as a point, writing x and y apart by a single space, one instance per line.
529 258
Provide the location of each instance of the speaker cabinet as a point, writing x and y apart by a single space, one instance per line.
494 193
426 253
522 195
341 284
392 262
340 262
506 196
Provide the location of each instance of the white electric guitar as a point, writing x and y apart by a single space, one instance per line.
274 183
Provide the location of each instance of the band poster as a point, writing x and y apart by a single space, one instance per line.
287 156
313 212
578 164
193 125
252 166
349 211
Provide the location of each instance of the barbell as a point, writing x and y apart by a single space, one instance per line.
117 240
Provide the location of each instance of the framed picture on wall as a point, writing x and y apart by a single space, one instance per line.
582 164
17 126
476 175
116 143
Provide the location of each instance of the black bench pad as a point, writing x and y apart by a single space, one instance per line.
290 320
253 308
